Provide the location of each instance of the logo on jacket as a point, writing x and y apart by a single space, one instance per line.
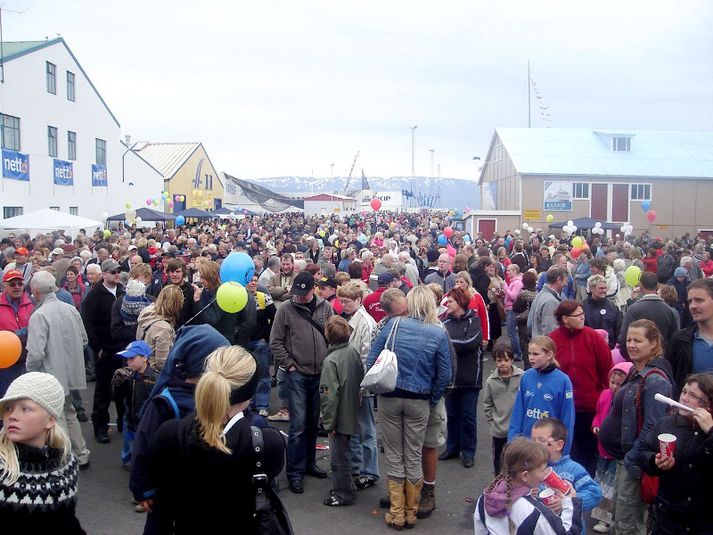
548 397
537 414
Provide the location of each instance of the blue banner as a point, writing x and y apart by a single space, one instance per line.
15 165
63 173
100 177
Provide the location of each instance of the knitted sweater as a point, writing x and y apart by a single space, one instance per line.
43 498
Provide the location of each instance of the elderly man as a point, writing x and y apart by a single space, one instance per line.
20 264
541 320
55 345
444 277
15 309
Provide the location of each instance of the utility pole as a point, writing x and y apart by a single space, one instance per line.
529 114
413 140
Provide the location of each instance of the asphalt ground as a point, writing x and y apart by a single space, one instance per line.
105 507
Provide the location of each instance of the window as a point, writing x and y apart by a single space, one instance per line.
641 192
580 190
71 145
101 152
55 208
209 182
11 211
51 78
70 86
621 144
74 210
497 153
52 141
10 127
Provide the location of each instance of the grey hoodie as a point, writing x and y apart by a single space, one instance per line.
499 400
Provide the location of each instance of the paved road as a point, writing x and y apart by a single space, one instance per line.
105 502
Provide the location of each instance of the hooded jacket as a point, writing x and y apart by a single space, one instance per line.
604 404
158 333
339 388
499 400
679 354
467 338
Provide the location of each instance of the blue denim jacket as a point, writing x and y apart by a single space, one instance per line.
423 354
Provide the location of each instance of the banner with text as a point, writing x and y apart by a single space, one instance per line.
99 176
558 196
15 165
63 173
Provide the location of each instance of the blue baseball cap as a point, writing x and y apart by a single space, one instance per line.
138 348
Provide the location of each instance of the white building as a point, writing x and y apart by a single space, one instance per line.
328 204
61 142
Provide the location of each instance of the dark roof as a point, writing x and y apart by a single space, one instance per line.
146 214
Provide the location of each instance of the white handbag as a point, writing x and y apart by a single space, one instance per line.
381 377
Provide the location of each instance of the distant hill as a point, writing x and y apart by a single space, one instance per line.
454 193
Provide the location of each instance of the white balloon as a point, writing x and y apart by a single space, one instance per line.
570 223
524 226
530 229
597 224
138 219
574 228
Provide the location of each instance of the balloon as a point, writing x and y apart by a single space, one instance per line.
570 223
149 202
156 202
597 225
128 206
451 250
10 349
574 228
177 198
550 218
107 232
231 297
530 229
180 220
238 267
375 204
183 198
632 275
322 234
448 231
645 206
525 225
139 220
577 242
442 240
170 204
575 252
651 216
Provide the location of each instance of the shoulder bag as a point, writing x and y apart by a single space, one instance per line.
381 377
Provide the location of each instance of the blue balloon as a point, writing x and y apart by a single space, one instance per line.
442 240
645 206
238 267
180 220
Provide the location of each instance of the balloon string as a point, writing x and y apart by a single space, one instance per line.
201 310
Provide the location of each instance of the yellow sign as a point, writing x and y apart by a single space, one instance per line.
532 215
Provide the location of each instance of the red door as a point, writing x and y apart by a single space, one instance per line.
599 202
486 228
620 203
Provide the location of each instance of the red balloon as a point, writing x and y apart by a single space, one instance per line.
575 252
651 216
10 349
448 231
376 203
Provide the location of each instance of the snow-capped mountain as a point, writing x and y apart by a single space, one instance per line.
448 192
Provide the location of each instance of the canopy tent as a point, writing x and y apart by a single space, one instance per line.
586 223
146 214
48 219
194 213
226 213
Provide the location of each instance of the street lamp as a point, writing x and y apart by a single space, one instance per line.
331 171
127 139
413 139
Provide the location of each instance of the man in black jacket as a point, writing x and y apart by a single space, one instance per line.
96 315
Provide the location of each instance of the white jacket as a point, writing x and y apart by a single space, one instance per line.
530 516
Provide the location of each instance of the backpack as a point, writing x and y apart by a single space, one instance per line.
649 485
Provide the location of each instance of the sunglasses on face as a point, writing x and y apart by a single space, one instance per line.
15 283
113 272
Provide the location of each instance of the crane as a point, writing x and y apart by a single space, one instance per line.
351 171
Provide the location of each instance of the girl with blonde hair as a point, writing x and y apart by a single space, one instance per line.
211 451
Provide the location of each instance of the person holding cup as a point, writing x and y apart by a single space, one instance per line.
678 450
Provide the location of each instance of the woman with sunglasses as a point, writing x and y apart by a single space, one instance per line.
685 494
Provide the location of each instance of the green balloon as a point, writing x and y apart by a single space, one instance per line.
632 275
232 297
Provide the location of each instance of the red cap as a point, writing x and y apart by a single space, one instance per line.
22 251
12 274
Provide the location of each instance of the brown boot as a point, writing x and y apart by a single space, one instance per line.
395 517
413 495
428 501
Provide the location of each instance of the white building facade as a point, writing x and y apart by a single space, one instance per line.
61 142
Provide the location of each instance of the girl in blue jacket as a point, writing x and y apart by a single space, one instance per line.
545 392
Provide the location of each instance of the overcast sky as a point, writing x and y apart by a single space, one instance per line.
283 87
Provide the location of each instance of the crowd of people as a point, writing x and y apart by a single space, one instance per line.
580 354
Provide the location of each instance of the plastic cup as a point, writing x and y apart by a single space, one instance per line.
547 496
554 481
667 444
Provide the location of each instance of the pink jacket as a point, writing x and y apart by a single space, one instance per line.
512 290
604 405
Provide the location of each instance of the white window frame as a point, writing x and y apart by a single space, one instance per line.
636 198
576 197
616 143
497 152
10 126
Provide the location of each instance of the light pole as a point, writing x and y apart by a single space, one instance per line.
413 139
331 171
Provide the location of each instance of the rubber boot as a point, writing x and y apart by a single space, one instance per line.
395 517
413 496
385 502
428 501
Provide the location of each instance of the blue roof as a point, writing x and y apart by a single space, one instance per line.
586 152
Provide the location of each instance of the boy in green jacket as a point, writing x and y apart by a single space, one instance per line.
342 372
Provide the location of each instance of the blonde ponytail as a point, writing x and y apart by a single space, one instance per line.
226 368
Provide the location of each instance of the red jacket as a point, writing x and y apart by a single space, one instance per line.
586 359
373 306
9 321
651 263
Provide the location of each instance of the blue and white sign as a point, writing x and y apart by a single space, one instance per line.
15 165
100 177
63 173
558 196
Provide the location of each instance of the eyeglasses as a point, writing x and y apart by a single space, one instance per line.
113 271
702 401
580 315
15 283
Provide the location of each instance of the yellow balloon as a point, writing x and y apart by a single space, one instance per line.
577 241
107 233
550 218
231 297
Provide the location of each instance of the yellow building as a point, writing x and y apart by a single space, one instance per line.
188 174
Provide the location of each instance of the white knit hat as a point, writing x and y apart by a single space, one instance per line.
42 388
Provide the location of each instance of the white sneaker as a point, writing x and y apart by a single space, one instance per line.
283 415
601 527
263 413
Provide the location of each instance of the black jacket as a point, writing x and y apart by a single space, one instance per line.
679 353
467 339
133 389
610 320
96 315
481 282
648 307
201 489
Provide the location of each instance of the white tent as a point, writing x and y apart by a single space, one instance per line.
48 219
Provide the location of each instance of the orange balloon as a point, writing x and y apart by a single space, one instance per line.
10 349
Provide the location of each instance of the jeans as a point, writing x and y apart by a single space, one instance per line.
461 407
263 356
129 435
511 324
283 388
630 508
105 367
363 445
342 483
304 417
584 443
